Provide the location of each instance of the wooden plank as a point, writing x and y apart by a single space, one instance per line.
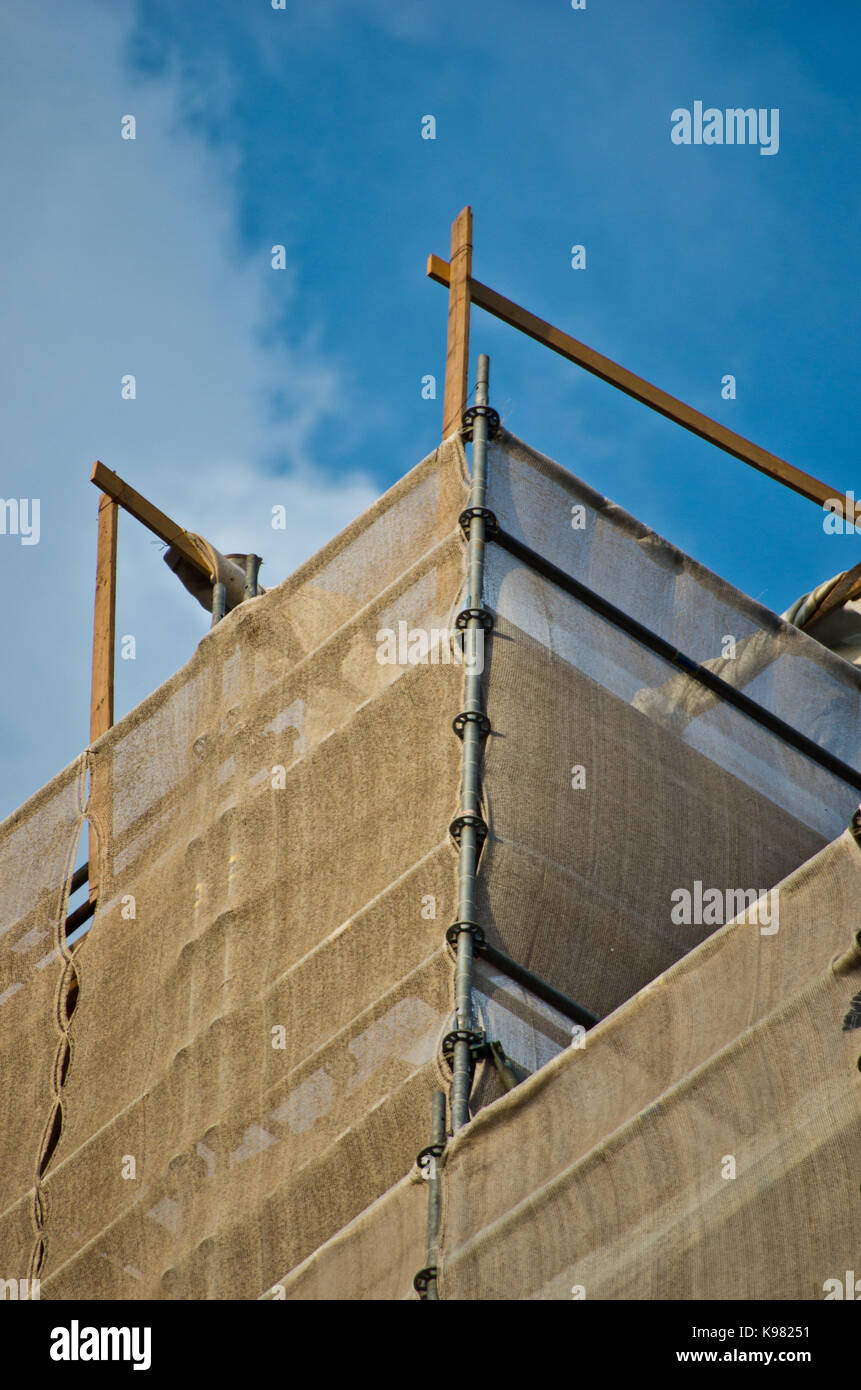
848 587
102 686
104 620
646 393
457 348
149 516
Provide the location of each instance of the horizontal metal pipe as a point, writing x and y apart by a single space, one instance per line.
692 668
79 878
80 915
534 983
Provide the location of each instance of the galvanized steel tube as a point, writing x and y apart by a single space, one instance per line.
252 567
437 1141
462 1060
219 602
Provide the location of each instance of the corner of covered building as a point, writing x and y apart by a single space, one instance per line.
222 1092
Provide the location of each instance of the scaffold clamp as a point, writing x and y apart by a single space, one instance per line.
491 525
471 716
472 413
478 824
475 931
483 617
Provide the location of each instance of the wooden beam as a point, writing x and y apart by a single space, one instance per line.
102 686
848 587
646 393
457 349
149 516
104 620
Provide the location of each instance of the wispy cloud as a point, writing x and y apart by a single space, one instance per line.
121 257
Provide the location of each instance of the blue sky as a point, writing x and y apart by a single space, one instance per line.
302 127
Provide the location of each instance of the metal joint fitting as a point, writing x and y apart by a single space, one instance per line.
478 824
483 616
475 931
471 716
476 1040
491 525
474 412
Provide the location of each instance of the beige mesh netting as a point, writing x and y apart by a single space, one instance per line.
704 1143
263 989
223 1086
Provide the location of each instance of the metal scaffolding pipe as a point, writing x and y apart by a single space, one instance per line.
219 602
655 643
462 1062
438 1136
79 878
252 567
540 988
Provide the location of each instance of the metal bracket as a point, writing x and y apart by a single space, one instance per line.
429 1151
423 1278
483 615
471 716
508 1071
475 931
478 824
472 413
491 525
483 1048
476 1039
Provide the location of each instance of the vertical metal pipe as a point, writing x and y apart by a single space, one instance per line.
438 1140
252 566
219 602
462 1059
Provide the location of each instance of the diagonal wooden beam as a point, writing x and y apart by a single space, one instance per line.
646 393
116 494
457 349
847 587
150 516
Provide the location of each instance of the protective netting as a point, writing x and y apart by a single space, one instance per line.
223 1086
614 554
704 1141
265 984
37 848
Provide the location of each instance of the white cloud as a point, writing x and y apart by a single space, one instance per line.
121 257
